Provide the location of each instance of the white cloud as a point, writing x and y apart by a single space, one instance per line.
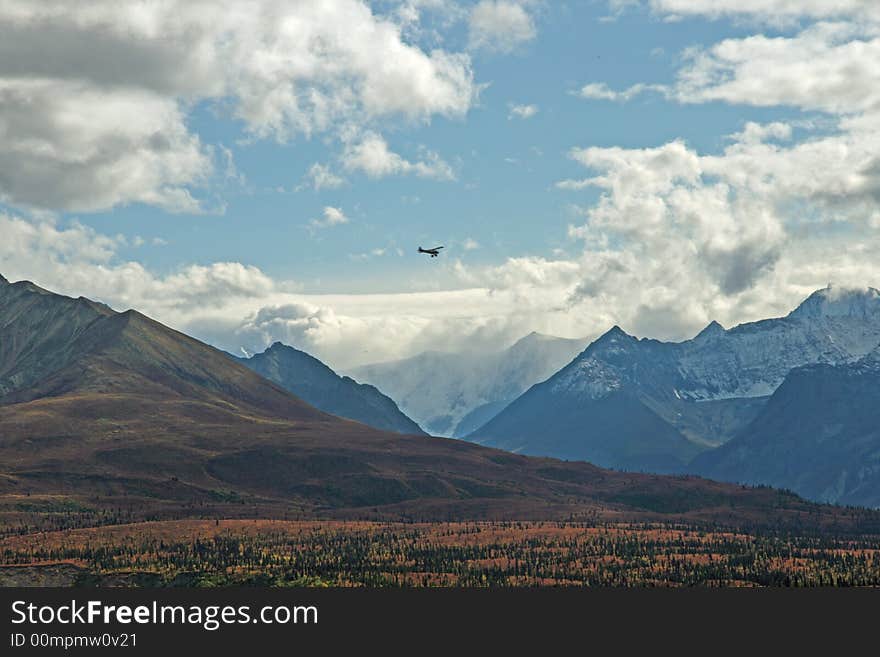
470 244
342 338
770 11
320 177
530 271
80 261
68 145
95 95
372 156
330 217
601 91
427 20
522 111
829 67
378 252
499 25
665 200
732 236
755 133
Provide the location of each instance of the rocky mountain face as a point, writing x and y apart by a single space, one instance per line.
312 381
39 331
650 405
818 435
451 394
831 326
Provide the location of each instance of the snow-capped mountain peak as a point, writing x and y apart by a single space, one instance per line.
604 367
833 325
839 302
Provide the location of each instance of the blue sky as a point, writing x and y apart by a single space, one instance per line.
736 178
505 168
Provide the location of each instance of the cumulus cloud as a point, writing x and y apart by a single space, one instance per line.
522 111
371 155
356 329
828 66
499 25
68 145
320 177
78 260
330 217
101 90
730 217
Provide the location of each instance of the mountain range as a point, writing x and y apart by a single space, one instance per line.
641 404
315 383
451 394
116 414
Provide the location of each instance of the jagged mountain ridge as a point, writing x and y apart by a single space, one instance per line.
38 331
749 360
449 394
314 382
831 326
691 395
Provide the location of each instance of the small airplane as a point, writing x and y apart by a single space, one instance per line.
432 252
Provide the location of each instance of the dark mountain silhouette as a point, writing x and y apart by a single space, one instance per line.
818 435
312 381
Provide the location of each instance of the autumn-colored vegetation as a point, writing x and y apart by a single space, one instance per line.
339 553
